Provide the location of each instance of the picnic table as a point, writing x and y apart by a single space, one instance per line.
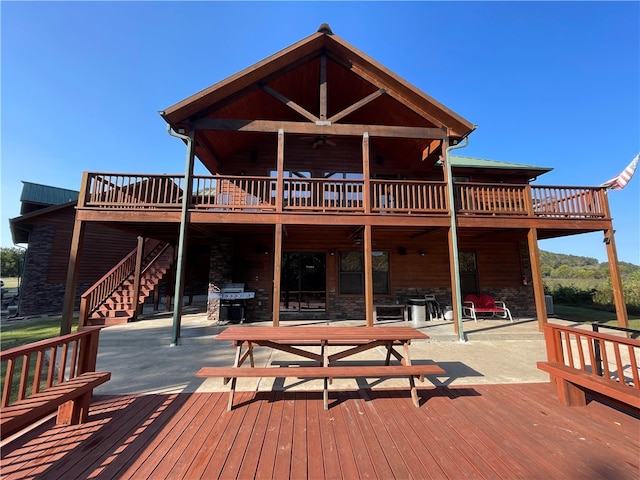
297 340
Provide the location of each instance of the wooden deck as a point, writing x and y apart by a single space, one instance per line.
486 431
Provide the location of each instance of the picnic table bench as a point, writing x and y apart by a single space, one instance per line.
62 378
291 339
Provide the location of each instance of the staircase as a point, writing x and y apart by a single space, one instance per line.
111 300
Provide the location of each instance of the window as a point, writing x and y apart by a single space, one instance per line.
468 272
351 273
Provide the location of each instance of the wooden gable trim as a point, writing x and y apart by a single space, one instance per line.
342 52
403 91
248 77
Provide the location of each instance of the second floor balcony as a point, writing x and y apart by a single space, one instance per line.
115 191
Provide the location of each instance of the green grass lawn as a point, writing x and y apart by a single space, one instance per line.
21 332
581 314
10 282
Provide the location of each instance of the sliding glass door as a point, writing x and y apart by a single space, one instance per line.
303 282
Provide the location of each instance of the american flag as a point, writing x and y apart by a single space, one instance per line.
619 182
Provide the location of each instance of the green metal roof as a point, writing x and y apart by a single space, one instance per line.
471 162
46 195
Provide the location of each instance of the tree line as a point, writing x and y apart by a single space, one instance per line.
11 261
558 265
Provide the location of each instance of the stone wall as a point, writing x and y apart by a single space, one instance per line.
37 295
219 274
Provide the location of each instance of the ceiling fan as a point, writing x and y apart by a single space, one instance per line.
320 141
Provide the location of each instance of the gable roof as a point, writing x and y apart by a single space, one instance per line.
474 162
46 195
323 41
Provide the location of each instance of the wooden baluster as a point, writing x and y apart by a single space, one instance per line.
24 377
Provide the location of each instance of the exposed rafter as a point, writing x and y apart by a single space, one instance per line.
290 103
357 105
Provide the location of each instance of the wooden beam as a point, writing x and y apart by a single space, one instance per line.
355 232
280 171
277 272
429 233
368 276
323 86
321 128
290 103
357 105
536 274
366 189
136 276
616 279
430 149
73 268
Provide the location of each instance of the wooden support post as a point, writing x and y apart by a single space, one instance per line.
616 279
323 86
366 173
277 271
280 172
536 274
69 301
182 238
156 298
368 275
73 267
136 277
454 263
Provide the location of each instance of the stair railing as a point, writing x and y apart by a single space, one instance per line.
96 295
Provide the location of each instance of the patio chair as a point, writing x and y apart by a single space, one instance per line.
484 304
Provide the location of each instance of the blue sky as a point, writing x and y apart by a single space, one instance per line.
548 83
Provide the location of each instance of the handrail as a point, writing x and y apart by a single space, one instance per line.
577 348
57 360
491 199
400 196
563 202
242 193
322 194
110 281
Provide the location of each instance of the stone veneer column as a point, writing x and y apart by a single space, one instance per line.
219 273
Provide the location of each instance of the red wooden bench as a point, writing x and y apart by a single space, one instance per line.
574 366
475 305
54 374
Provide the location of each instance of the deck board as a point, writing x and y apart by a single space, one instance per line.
484 431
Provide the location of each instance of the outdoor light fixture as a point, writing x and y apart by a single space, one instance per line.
422 252
332 252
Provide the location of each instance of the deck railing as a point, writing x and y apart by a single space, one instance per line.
396 196
37 366
233 193
581 202
496 199
312 195
109 283
614 357
118 190
319 194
